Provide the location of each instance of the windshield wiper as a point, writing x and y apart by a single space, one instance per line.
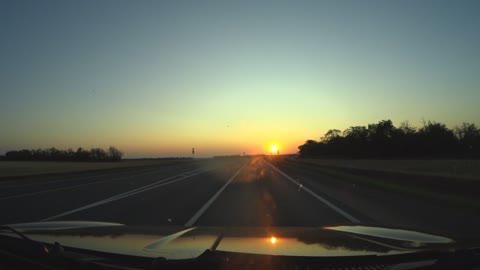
23 252
28 252
42 247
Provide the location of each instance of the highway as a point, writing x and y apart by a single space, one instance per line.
243 191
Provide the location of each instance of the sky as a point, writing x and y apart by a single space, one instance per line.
156 78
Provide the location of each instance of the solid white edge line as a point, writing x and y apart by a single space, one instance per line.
50 190
144 172
157 184
204 208
75 178
318 197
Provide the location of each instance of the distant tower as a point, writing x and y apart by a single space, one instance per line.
193 151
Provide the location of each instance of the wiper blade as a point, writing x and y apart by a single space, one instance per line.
26 251
42 248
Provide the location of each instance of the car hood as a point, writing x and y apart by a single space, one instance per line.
177 242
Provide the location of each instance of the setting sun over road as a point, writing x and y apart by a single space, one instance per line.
236 80
277 134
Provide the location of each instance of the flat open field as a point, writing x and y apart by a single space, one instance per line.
447 168
26 168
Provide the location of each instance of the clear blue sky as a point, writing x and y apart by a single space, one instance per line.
155 78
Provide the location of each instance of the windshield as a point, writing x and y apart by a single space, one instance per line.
266 114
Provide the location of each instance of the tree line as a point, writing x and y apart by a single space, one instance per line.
54 154
384 140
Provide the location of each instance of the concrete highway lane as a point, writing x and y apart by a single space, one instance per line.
239 191
217 192
260 196
170 204
50 197
382 207
243 192
36 184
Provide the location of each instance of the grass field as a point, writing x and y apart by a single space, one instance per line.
447 168
25 168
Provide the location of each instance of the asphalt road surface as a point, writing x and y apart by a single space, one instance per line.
240 191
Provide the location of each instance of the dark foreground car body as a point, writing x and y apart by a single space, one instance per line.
99 245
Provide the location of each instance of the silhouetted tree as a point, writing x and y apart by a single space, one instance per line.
98 154
331 134
436 139
53 154
384 140
19 155
405 141
114 154
356 141
308 149
82 155
468 136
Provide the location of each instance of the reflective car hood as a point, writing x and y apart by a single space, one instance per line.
176 242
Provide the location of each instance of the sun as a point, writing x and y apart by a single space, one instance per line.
273 240
274 148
